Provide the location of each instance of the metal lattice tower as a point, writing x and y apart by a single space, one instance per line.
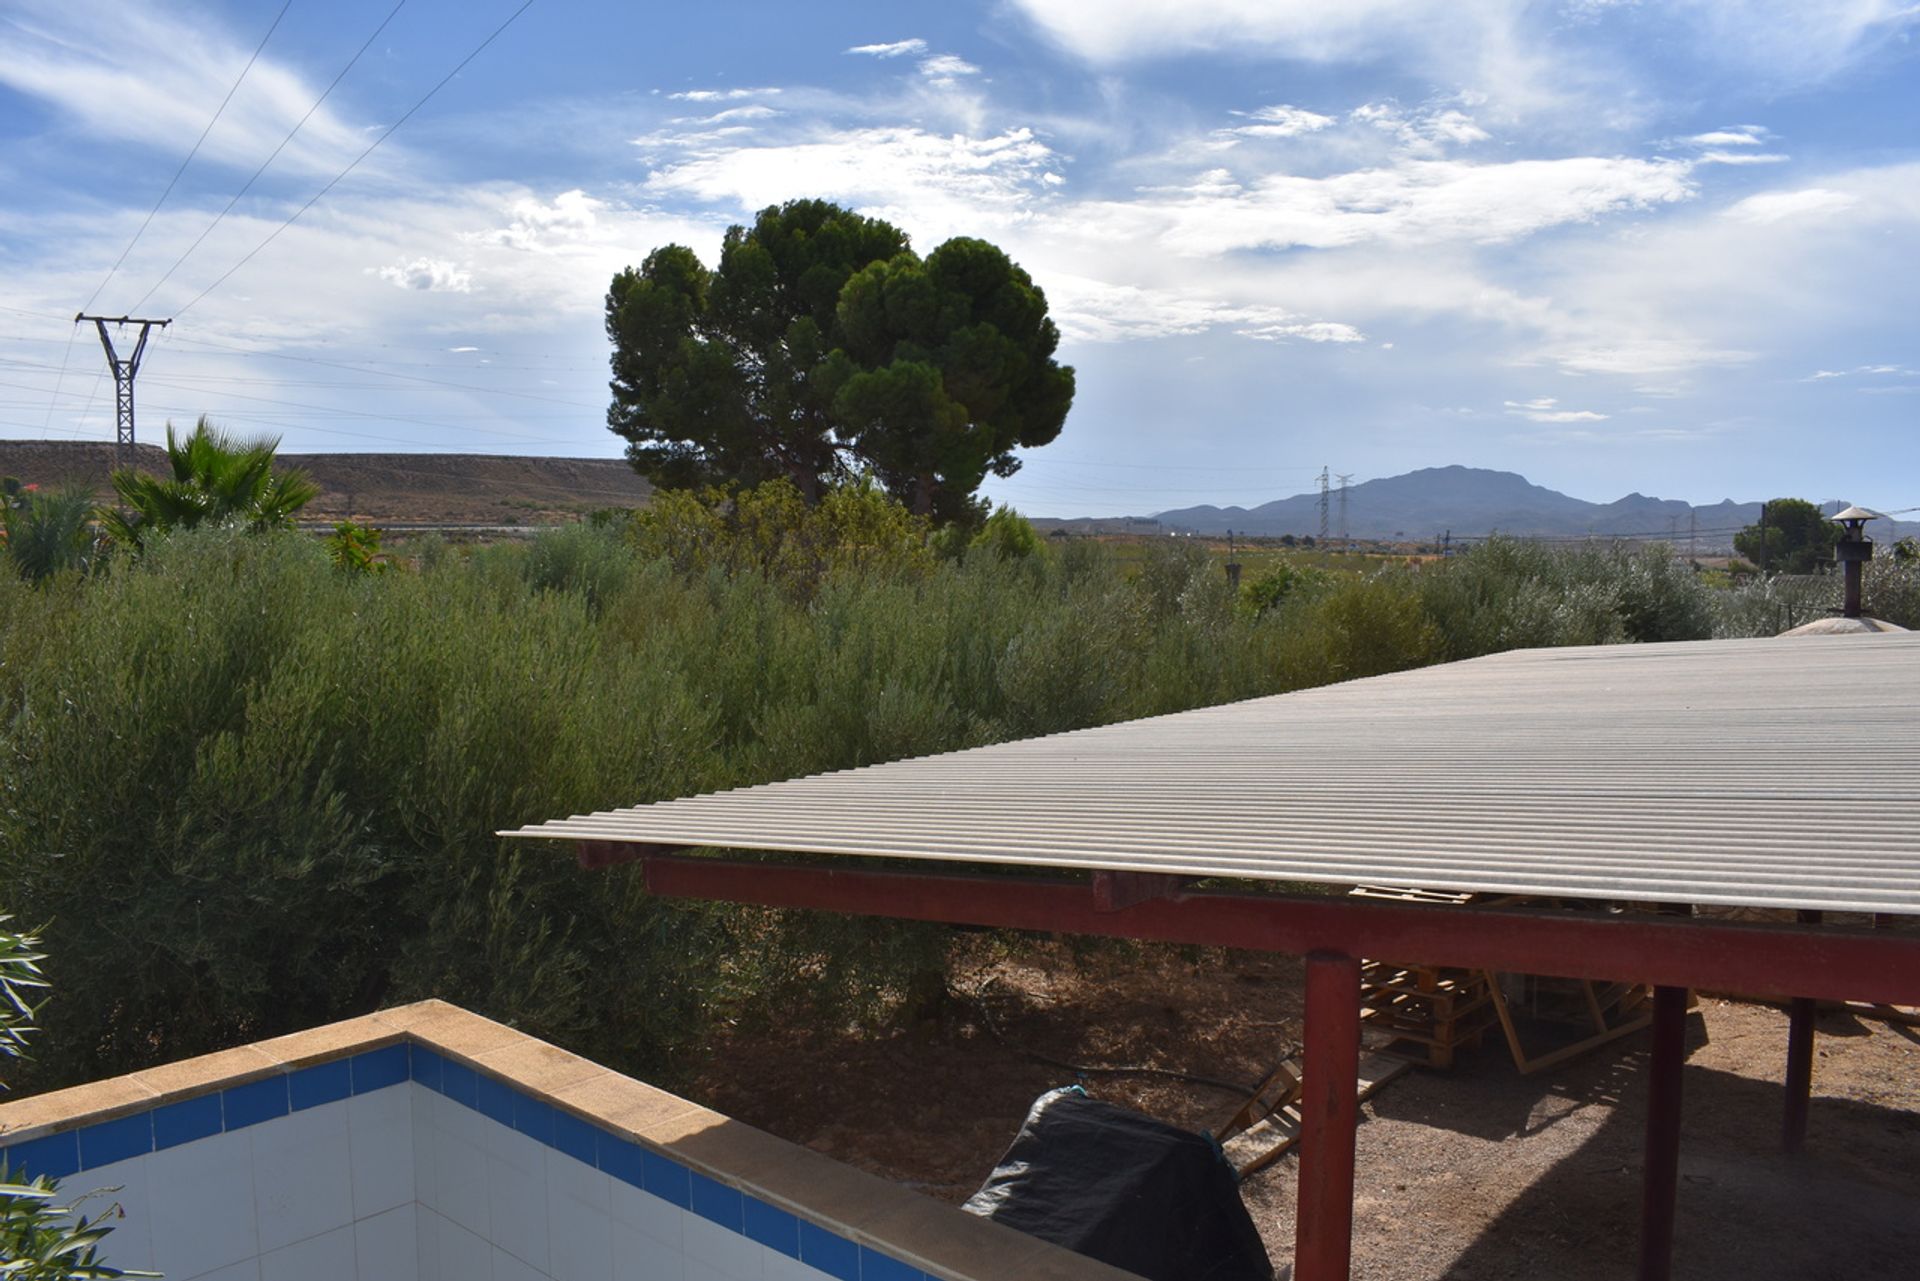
123 374
1346 540
1323 505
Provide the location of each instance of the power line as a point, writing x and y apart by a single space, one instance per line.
171 182
382 373
274 234
248 186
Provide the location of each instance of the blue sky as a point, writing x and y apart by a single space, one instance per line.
1664 246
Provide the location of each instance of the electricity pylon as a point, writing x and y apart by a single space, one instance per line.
123 372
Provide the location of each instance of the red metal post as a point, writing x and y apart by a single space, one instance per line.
1793 1135
1323 1225
1661 1180
1793 1124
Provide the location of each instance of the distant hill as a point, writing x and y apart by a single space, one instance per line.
384 488
1473 501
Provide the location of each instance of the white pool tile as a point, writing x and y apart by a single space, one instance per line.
581 1239
507 1268
460 1182
380 1136
639 1257
245 1270
781 1268
117 1197
327 1257
203 1208
302 1176
725 1251
517 1200
660 1221
448 1252
386 1245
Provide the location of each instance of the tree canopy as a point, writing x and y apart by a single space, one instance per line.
822 345
1793 537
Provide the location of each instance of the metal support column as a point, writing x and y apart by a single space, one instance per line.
1323 1224
1661 1180
1800 1012
1793 1131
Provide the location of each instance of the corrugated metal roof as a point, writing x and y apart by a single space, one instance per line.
1772 773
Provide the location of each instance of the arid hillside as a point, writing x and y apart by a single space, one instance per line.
490 489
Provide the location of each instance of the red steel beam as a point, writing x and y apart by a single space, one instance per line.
1828 964
1323 1224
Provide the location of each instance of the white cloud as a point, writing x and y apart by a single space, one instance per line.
1092 310
1413 202
720 95
1308 331
935 185
1546 409
1778 206
462 349
1281 121
1740 158
151 76
944 69
1736 136
1428 131
544 225
429 275
895 49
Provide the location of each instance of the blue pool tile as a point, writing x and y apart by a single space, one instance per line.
111 1141
460 1083
425 1067
773 1227
621 1159
321 1083
377 1069
254 1102
533 1118
717 1202
834 1255
496 1101
576 1138
178 1123
875 1266
668 1180
57 1155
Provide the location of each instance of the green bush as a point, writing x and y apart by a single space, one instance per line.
251 793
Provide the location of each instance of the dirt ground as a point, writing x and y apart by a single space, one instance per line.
1472 1174
492 489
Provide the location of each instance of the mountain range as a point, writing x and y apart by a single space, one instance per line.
1471 502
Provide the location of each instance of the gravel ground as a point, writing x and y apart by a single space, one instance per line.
1480 1173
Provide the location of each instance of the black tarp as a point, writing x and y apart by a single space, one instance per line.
1126 1189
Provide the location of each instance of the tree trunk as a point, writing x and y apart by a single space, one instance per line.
923 487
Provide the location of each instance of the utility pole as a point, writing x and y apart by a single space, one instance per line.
1766 558
1446 545
1346 541
1693 533
123 373
1323 506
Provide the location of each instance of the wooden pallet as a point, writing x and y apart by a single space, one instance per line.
1427 1012
1267 1125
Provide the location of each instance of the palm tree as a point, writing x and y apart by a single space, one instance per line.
218 479
43 533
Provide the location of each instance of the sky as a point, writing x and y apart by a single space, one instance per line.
1665 247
